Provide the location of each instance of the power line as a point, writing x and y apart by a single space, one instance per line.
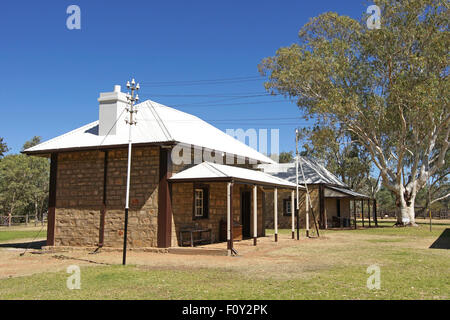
227 104
208 102
230 120
202 80
217 95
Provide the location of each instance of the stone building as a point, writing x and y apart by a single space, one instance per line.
177 180
333 202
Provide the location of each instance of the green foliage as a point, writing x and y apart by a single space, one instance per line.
286 157
31 143
343 155
23 183
385 200
15 190
3 148
388 87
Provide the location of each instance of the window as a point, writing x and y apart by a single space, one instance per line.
200 202
287 206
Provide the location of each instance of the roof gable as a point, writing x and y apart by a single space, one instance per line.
209 171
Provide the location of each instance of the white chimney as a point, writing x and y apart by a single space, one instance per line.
111 106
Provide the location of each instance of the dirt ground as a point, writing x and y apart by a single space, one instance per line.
267 258
13 264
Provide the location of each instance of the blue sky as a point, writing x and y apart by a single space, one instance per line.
50 77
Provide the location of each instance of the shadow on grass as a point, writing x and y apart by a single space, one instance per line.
443 242
24 245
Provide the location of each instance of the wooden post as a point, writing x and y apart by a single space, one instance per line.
354 212
164 202
255 215
368 211
229 218
362 212
263 199
52 200
275 213
322 216
101 231
292 214
307 213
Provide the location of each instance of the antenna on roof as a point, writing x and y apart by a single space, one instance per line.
131 98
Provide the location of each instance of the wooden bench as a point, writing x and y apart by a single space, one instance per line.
204 236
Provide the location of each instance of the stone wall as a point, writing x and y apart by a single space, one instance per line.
284 222
79 197
182 206
331 209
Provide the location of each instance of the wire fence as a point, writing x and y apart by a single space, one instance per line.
22 220
441 214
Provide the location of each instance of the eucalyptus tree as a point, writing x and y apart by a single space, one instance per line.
3 148
388 86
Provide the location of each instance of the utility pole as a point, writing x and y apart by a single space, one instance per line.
296 184
130 121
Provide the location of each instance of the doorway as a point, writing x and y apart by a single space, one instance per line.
246 213
338 207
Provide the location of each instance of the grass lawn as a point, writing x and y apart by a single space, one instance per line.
7 235
333 267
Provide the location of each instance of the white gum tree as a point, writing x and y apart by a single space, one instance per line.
388 86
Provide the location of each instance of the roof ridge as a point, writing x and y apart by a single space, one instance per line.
314 167
159 120
213 166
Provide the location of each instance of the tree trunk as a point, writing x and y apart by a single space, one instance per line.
405 210
35 213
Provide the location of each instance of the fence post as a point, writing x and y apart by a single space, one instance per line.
9 219
26 219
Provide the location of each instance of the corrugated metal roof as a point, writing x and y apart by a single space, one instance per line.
211 171
314 172
349 192
156 123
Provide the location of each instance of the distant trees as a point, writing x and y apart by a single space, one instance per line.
286 157
24 183
341 153
3 148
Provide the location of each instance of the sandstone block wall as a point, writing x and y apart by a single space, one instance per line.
284 222
183 201
79 197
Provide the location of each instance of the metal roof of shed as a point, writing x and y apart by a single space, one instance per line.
208 171
156 123
315 173
349 192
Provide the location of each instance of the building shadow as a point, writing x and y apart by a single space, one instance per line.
443 242
25 245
